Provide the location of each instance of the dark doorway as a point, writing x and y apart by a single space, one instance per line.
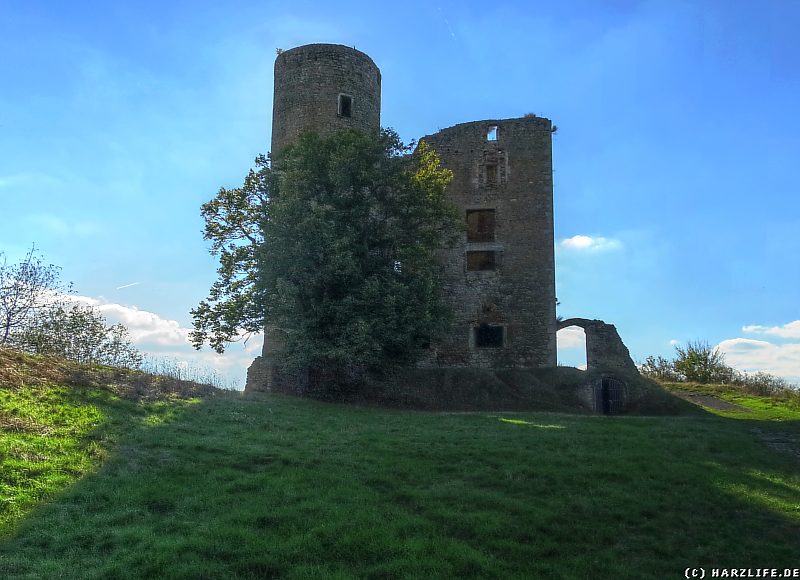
609 396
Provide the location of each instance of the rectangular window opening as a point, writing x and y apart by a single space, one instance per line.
345 106
491 133
491 175
480 225
479 261
489 336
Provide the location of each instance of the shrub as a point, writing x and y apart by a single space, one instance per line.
659 368
698 362
80 334
762 383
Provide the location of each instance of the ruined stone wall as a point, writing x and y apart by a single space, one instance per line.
308 82
605 350
510 172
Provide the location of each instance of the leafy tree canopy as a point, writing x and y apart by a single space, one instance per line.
333 250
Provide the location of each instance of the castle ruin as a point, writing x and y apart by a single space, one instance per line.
499 278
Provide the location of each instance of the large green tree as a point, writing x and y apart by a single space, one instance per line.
333 248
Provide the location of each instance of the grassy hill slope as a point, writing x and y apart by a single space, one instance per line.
104 479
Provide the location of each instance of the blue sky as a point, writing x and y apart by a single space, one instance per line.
676 206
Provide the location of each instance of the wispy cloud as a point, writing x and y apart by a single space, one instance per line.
583 243
127 285
447 23
788 330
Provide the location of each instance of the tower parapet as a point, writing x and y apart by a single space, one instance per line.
324 88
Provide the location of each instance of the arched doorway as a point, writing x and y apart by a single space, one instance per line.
604 348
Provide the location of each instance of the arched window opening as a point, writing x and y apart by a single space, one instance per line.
571 344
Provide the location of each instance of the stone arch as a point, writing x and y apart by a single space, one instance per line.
604 347
569 340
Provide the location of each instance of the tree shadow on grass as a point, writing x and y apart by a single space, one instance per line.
280 487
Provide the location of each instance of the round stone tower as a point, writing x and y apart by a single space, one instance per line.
324 88
321 88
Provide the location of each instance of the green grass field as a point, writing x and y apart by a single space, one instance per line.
97 485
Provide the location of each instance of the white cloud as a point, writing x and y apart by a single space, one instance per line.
589 244
167 343
747 354
146 329
253 345
753 355
571 337
674 342
789 330
231 367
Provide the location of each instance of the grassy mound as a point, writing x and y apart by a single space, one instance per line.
59 419
741 402
19 369
99 485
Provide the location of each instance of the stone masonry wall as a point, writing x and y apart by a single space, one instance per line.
604 347
308 82
511 174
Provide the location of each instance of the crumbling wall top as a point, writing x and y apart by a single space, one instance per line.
604 347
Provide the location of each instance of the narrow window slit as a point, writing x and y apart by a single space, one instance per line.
491 175
345 106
